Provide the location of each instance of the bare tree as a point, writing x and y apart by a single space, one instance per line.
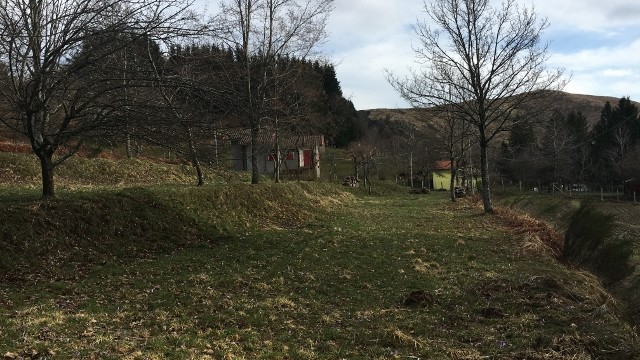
187 86
49 47
365 154
492 61
453 135
410 144
621 146
263 31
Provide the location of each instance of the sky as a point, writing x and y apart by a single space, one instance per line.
598 45
596 42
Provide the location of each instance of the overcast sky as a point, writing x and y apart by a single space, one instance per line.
598 44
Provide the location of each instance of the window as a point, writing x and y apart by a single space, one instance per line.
291 155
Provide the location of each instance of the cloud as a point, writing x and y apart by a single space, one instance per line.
358 23
367 37
618 73
361 71
618 56
592 40
588 15
626 13
607 70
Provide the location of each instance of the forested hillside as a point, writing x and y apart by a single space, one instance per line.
205 101
569 139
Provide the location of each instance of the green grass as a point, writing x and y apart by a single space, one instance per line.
336 163
295 271
19 172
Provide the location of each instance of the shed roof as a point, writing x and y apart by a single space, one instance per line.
443 165
268 136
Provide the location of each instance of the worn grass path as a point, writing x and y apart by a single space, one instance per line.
400 277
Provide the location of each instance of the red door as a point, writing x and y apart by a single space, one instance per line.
306 154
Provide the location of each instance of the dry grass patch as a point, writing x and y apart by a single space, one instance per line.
427 267
537 236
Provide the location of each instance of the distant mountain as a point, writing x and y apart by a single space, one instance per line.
589 105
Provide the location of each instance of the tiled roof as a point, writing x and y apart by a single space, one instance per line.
443 165
268 136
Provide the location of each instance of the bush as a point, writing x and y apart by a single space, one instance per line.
589 243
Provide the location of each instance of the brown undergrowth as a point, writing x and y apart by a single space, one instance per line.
537 236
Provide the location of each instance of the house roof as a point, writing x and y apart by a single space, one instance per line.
443 165
267 137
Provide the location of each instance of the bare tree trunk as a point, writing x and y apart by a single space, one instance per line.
452 191
195 161
316 162
278 161
411 167
128 144
367 181
255 174
355 168
47 168
215 147
484 172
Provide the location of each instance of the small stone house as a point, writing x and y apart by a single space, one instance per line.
300 154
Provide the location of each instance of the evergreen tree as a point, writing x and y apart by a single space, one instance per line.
521 137
578 126
612 138
330 80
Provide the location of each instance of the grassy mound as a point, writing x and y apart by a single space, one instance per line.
78 172
62 237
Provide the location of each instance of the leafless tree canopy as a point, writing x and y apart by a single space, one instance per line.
48 45
271 28
262 32
484 62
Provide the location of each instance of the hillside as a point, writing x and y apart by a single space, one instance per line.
589 105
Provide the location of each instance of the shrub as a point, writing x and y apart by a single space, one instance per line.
589 243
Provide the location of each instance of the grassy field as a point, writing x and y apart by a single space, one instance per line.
288 271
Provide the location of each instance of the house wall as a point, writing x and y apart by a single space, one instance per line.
241 160
292 161
239 157
442 180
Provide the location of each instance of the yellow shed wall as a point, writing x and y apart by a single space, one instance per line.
442 180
